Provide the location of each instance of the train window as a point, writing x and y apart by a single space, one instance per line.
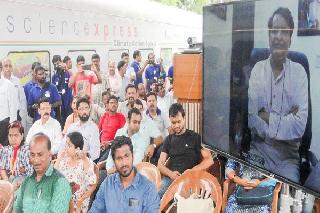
22 62
73 54
145 52
115 54
166 55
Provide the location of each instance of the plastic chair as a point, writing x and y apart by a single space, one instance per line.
151 172
6 196
192 182
229 187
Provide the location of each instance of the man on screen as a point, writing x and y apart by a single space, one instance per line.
278 103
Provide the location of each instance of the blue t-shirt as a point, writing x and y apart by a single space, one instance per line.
27 88
37 92
136 67
152 73
64 90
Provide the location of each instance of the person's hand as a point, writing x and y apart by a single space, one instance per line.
149 151
294 110
34 106
242 182
253 183
81 154
264 115
17 184
174 175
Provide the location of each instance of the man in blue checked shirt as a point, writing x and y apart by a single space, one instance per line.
127 190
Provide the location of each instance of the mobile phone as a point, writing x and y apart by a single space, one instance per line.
86 67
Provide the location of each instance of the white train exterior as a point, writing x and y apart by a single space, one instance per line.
38 29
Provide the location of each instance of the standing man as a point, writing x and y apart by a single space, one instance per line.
22 102
61 80
8 107
114 79
183 148
46 124
82 80
125 80
103 85
153 71
46 190
127 190
142 92
278 103
88 129
40 90
136 66
129 70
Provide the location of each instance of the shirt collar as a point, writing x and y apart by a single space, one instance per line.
135 182
158 112
48 173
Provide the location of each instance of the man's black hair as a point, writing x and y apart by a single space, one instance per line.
151 94
56 58
121 64
133 111
35 64
112 97
124 54
120 141
95 56
76 139
43 100
284 13
175 109
42 135
130 86
136 53
66 58
106 92
138 102
37 68
80 58
84 99
149 54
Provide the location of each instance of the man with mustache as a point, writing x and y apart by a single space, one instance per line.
184 149
131 96
278 103
42 89
127 190
46 190
87 128
47 125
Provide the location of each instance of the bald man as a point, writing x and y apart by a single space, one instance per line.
46 190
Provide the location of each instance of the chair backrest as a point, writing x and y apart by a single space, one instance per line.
6 196
194 182
151 172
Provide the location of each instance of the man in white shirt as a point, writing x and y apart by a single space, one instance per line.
47 125
131 97
114 79
164 100
130 73
8 107
87 128
125 80
278 103
22 101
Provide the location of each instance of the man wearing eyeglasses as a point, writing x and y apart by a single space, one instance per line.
47 125
8 104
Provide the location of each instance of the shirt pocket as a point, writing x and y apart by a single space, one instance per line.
3 98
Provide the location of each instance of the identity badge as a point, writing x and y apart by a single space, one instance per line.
133 202
47 94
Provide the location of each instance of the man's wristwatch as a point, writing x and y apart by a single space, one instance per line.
154 145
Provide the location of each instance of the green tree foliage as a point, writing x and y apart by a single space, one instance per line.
192 5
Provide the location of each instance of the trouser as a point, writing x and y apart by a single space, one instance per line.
4 131
29 122
165 183
156 155
104 155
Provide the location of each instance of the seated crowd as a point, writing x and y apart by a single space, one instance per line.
79 142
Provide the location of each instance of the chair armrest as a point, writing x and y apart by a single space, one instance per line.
225 193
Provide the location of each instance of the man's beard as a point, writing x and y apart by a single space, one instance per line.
42 81
84 118
125 174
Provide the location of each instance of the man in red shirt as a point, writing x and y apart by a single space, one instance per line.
110 122
82 80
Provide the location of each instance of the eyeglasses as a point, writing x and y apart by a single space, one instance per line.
7 65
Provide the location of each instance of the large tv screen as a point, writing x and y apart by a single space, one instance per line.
262 86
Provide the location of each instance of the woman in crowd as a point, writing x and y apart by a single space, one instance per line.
14 158
78 169
73 117
248 179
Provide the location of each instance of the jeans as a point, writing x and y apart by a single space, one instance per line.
165 183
